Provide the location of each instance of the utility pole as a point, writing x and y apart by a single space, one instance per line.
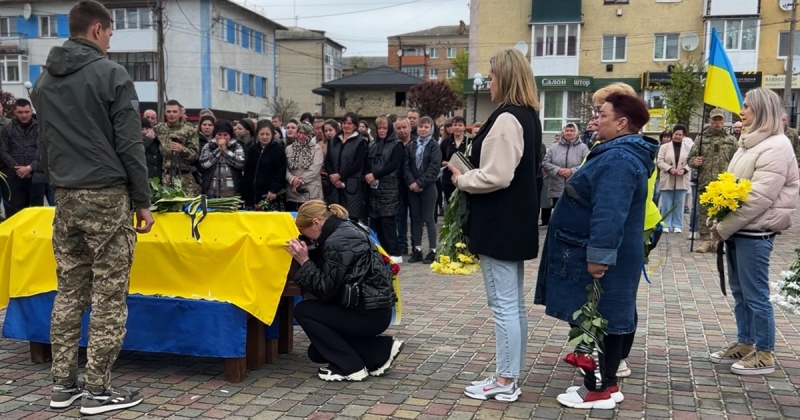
787 87
160 74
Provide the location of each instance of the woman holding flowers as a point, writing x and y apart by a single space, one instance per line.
595 238
766 158
505 155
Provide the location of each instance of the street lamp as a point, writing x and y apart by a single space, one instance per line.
28 86
477 82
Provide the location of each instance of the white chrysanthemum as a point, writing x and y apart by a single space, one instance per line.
787 275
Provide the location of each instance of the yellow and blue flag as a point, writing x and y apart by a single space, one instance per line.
722 90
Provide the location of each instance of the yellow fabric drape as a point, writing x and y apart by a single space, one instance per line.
241 259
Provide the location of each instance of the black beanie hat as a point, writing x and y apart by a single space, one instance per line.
207 118
248 125
223 126
146 123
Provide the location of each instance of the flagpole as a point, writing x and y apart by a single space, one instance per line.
696 197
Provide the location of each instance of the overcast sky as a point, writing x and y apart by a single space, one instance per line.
363 25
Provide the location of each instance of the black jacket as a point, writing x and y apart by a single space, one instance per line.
384 158
155 161
18 144
491 231
264 172
345 255
431 164
449 149
91 131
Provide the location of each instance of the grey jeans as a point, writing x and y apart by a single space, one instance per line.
422 206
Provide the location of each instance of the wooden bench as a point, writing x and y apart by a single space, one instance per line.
258 349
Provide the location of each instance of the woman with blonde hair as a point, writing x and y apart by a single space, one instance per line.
767 159
354 295
505 155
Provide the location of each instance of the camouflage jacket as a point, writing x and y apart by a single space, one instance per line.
718 148
186 135
791 133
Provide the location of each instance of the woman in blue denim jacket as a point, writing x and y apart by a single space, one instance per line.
596 232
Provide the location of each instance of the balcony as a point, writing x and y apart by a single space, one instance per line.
14 43
718 8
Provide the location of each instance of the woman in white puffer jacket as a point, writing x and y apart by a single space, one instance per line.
767 159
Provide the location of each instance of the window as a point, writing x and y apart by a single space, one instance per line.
219 27
415 71
665 47
132 18
328 73
141 67
400 99
737 34
252 84
783 44
238 82
223 78
8 26
433 74
413 52
342 100
49 27
614 47
12 67
561 108
451 52
451 73
615 1
264 43
433 53
263 87
237 30
556 40
252 42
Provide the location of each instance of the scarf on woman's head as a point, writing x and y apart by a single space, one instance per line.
302 155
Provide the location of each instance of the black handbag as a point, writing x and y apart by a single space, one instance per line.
351 295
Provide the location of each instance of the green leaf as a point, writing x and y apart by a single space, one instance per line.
576 314
598 322
577 340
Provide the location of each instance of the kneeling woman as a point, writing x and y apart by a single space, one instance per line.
343 327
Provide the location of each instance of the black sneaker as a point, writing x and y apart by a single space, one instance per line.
416 256
397 347
328 375
111 399
404 251
64 396
430 258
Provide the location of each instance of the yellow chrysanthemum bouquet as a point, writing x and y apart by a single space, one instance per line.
725 195
453 257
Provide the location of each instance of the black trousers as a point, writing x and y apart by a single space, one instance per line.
547 212
609 363
293 206
347 340
24 194
448 191
386 230
627 343
439 199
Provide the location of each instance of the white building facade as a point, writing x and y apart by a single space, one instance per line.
219 54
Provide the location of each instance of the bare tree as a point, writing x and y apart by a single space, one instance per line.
285 108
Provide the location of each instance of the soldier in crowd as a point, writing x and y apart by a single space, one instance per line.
180 148
711 155
88 106
791 133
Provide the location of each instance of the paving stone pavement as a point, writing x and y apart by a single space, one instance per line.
450 341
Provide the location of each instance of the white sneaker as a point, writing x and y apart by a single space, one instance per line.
577 398
397 260
623 371
616 394
678 230
328 375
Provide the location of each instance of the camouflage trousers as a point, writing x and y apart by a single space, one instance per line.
702 224
93 242
188 183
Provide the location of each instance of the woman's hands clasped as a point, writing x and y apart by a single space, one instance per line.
298 250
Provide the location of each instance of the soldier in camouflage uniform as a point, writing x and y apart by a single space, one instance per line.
718 147
180 148
791 133
87 106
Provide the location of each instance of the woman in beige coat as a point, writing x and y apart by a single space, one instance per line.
674 179
766 158
303 164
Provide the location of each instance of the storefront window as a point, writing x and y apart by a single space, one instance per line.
560 108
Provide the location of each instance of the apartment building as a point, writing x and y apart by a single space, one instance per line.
428 54
578 46
219 54
306 59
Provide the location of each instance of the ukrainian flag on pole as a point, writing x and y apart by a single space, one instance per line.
722 90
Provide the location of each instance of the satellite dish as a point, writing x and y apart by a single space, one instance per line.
795 65
522 47
399 53
786 5
26 11
689 42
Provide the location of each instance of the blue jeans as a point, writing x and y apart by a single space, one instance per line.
504 291
656 193
694 216
748 275
671 198
401 221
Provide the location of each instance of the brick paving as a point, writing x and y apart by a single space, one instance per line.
450 342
